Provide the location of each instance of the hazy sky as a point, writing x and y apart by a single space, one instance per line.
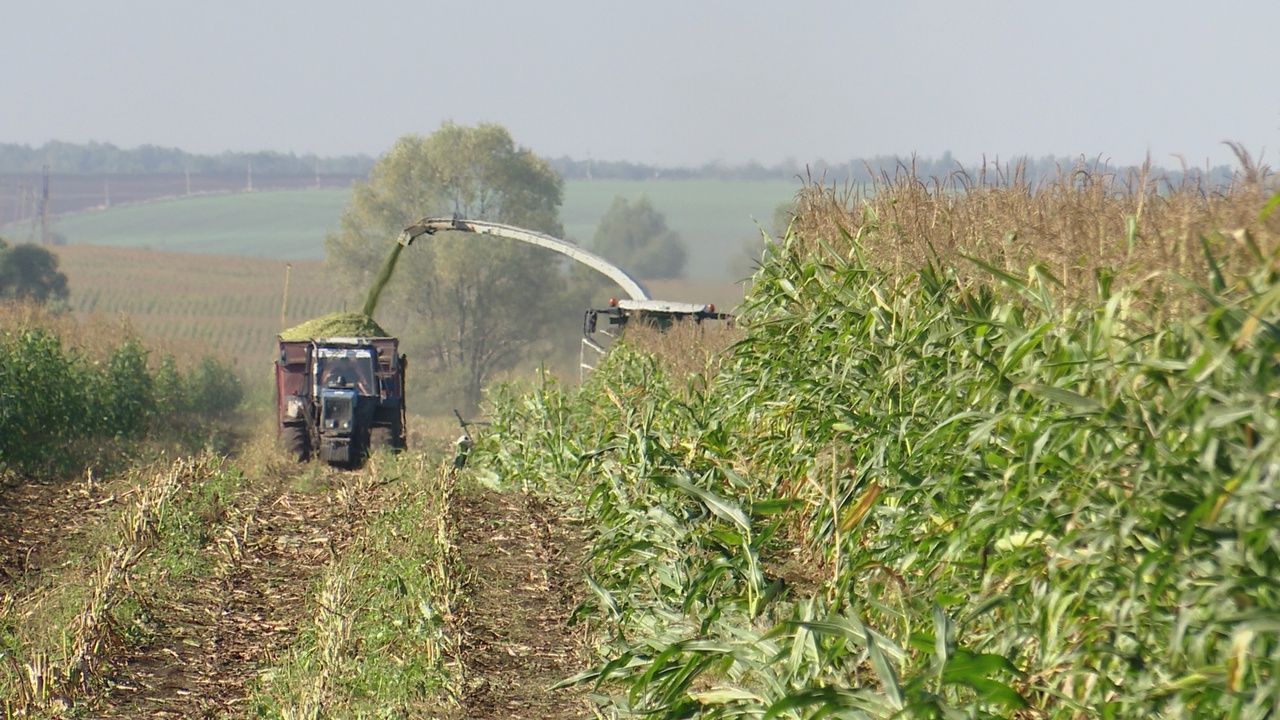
653 81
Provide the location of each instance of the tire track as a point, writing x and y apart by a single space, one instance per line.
522 558
213 635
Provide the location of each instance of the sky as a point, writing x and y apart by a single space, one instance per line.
661 82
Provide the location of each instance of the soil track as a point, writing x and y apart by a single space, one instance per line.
214 635
37 519
209 635
522 555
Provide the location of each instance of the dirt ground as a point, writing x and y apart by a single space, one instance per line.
38 519
213 635
523 559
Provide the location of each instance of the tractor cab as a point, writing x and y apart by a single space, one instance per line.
350 368
338 398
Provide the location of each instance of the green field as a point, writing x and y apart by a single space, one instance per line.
283 224
714 218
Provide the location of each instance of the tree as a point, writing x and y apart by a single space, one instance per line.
471 306
636 236
30 272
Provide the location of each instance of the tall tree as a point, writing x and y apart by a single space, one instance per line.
471 306
635 235
30 272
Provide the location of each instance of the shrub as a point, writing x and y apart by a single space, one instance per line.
53 397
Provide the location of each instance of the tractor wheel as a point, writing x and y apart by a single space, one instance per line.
389 437
295 441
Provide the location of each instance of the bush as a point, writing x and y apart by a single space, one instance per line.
53 397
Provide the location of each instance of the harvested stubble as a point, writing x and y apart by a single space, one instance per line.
50 671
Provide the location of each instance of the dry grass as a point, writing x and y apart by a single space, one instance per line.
1090 222
96 337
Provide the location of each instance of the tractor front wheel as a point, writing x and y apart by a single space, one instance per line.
295 441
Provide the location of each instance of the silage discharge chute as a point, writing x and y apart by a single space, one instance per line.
636 306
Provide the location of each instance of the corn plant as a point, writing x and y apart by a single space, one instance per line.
918 495
54 394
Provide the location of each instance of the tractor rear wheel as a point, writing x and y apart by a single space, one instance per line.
389 437
295 441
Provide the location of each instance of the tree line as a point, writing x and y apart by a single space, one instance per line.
106 158
869 169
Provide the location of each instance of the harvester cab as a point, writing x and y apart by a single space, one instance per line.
660 314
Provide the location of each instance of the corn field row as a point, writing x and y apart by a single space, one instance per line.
62 655
914 494
224 306
53 394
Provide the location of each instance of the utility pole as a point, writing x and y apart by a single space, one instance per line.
284 303
29 211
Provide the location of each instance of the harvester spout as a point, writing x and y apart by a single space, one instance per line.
428 226
431 226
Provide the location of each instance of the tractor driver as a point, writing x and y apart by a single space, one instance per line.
346 371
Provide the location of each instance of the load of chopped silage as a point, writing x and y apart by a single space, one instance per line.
340 324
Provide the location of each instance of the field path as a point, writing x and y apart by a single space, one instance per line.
37 520
214 635
521 555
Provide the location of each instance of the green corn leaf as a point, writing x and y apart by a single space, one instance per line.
605 596
997 693
965 666
1269 208
943 630
722 508
884 671
724 696
1063 396
796 700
